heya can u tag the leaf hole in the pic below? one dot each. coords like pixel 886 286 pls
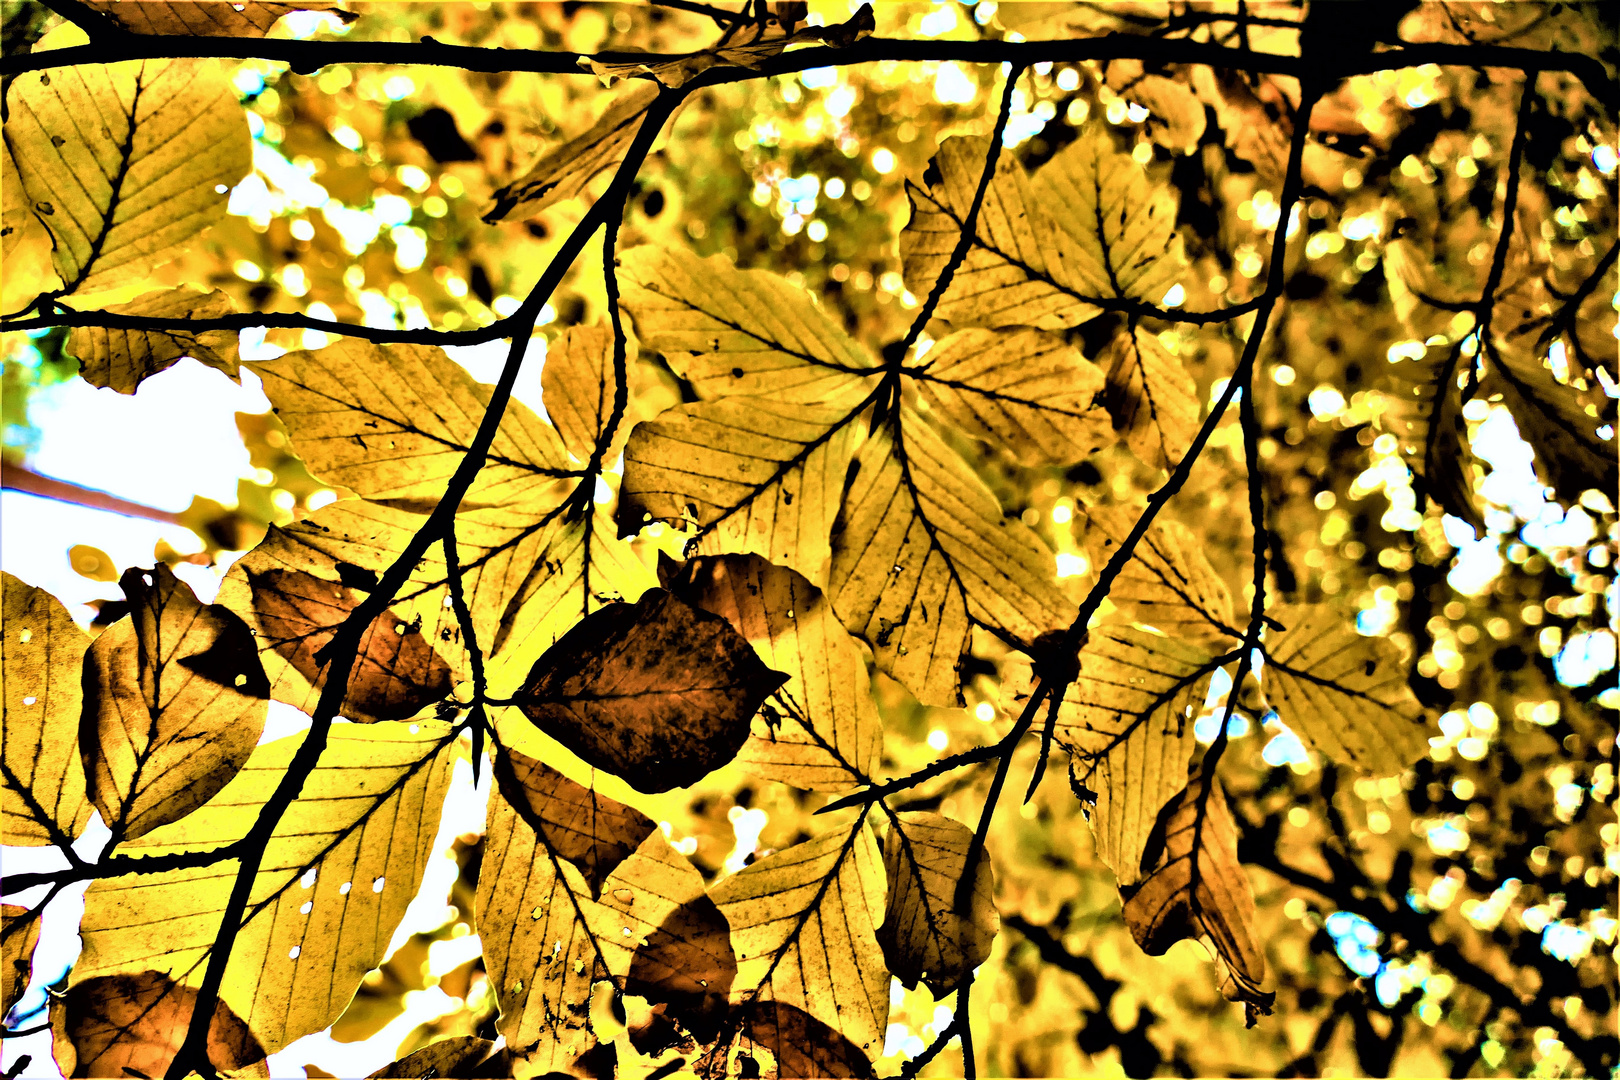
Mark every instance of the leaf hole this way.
pixel 29 700
pixel 308 880
pixel 343 889
pixel 377 886
pixel 292 953
pixel 26 636
pixel 309 906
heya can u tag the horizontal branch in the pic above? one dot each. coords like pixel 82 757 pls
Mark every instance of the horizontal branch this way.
pixel 309 56
pixel 269 320
pixel 17 478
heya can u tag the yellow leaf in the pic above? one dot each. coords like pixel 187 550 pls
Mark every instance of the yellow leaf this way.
pixel 41 652
pixel 924 934
pixel 755 475
pixel 820 730
pixel 126 194
pixel 1005 279
pixel 1167 583
pixel 803 925
pixel 922 548
pixel 1024 390
pixel 207 18
pixel 1153 400
pixel 175 700
pixel 121 359
pixel 341 866
pixel 394 422
pixel 564 171
pixel 1127 722
pixel 579 385
pixel 1344 694
pixel 733 332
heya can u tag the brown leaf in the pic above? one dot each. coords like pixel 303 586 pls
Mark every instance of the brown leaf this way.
pixel 656 692
pixel 924 935
pixel 121 359
pixel 174 702
pixel 802 1045
pixel 207 18
pixel 821 730
pixel 687 962
pixel 19 933
pixel 395 675
pixel 42 800
pixel 132 1025
pixel 588 829
pixel 1196 887
pixel 457 1056
pixel 749 54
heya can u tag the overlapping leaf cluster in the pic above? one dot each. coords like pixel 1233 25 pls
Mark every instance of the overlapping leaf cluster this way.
pixel 836 516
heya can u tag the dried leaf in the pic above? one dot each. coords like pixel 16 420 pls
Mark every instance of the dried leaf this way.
pixel 821 730
pixel 174 702
pixel 41 650
pixel 123 195
pixel 396 673
pixel 801 1045
pixel 748 333
pixel 1126 721
pixel 563 172
pixel 579 384
pixel 207 18
pixel 1153 400
pixel 802 923
pixel 924 934
pixel 19 933
pixel 133 1025
pixel 921 548
pixel 656 692
pixel 1005 279
pixel 1024 390
pixel 1196 887
pixel 457 1056
pixel 754 474
pixel 1343 693
pixel 591 831
pixel 393 422
pixel 1176 116
pixel 122 359
pixel 748 54
pixel 339 869
pixel 1168 583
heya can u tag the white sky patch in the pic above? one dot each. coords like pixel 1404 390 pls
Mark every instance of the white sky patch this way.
pixel 746 825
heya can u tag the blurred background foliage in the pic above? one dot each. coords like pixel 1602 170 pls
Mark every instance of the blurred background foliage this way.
pixel 1403 916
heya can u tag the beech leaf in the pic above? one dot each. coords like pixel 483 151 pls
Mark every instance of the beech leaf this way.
pixel 122 195
pixel 1196 886
pixel 820 731
pixel 393 422
pixel 754 474
pixel 1153 400
pixel 122 359
pixel 749 54
pixel 1345 694
pixel 589 830
pixel 41 651
pixel 1005 279
pixel 579 382
pixel 19 933
pixel 921 549
pixel 803 923
pixel 133 1025
pixel 732 332
pixel 924 934
pixel 458 1056
pixel 335 878
pixel 174 702
pixel 1024 390
pixel 656 692
pixel 1167 583
pixel 397 671
pixel 562 172
pixel 207 18
pixel 801 1045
